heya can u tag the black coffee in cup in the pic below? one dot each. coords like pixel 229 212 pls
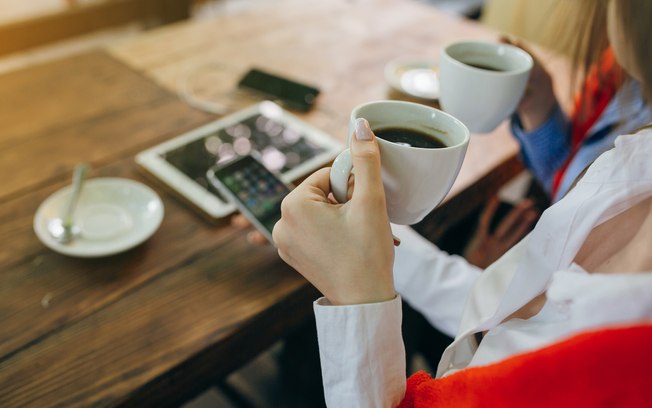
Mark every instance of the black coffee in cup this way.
pixel 484 66
pixel 409 137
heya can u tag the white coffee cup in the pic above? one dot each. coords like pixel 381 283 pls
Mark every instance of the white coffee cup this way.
pixel 482 98
pixel 415 179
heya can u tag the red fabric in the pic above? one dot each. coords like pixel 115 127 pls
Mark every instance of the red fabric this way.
pixel 607 368
pixel 600 86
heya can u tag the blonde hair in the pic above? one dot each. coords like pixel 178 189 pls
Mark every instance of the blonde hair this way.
pixel 583 28
pixel 635 21
pixel 590 39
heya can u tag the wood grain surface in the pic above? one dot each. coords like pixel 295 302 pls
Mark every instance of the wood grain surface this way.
pixel 160 322
pixel 116 329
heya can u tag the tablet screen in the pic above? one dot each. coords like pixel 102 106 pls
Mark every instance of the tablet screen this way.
pixel 280 148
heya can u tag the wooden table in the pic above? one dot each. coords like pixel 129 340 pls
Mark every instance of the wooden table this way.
pixel 161 322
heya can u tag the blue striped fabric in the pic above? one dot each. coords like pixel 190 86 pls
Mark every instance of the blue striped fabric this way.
pixel 546 148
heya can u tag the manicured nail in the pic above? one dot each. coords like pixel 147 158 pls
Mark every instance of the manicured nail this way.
pixel 362 129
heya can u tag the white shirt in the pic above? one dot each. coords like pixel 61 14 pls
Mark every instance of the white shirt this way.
pixel 361 349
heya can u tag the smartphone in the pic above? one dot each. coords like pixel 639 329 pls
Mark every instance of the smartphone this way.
pixel 289 93
pixel 253 189
pixel 501 212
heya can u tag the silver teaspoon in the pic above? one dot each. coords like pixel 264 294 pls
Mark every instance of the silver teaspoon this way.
pixel 63 230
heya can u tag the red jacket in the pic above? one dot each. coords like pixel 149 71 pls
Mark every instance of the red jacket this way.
pixel 606 368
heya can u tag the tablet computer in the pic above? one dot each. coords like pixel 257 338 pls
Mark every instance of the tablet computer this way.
pixel 283 142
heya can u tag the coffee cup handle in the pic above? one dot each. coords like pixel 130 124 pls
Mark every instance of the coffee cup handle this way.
pixel 339 177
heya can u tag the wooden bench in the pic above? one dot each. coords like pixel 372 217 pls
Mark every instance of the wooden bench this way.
pixel 80 19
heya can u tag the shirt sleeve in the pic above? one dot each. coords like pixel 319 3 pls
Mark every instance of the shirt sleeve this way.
pixel 362 353
pixel 431 281
pixel 545 148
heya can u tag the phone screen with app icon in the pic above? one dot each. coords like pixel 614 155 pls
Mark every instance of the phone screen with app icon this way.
pixel 256 191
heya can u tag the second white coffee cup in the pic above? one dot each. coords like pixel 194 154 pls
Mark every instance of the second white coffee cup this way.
pixel 415 179
pixel 481 83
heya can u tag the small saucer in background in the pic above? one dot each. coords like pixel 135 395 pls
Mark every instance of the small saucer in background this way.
pixel 414 76
pixel 113 215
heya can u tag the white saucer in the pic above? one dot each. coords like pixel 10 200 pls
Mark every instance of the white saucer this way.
pixel 415 76
pixel 113 215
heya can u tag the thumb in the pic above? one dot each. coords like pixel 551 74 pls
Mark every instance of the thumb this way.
pixel 365 155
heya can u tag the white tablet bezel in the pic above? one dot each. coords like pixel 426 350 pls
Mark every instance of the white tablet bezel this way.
pixel 153 161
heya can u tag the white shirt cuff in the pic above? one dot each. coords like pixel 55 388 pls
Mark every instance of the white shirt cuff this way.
pixel 362 353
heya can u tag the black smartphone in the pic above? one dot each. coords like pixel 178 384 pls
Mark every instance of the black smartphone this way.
pixel 501 212
pixel 253 189
pixel 287 92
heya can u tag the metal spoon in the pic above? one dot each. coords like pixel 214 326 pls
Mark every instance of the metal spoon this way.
pixel 63 229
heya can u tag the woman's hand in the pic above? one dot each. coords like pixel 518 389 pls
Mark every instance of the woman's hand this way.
pixel 345 250
pixel 486 245
pixel 539 99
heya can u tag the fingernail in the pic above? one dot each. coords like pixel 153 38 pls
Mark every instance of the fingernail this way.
pixel 362 129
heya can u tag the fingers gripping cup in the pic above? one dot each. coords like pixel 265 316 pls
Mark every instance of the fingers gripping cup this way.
pixel 482 83
pixel 421 152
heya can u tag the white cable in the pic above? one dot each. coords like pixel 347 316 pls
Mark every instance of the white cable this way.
pixel 186 92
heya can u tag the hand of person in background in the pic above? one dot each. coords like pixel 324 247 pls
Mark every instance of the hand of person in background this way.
pixel 345 250
pixel 487 244
pixel 539 99
pixel 253 237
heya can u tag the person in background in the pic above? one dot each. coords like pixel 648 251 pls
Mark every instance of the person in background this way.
pixel 585 265
pixel 555 147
